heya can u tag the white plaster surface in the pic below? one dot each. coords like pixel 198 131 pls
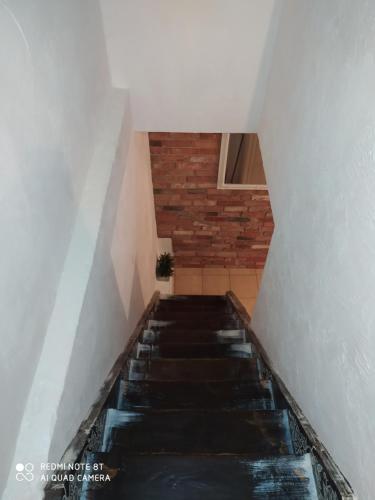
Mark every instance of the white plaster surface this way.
pixel 56 374
pixel 74 179
pixel 315 312
pixel 53 81
pixel 121 284
pixel 191 65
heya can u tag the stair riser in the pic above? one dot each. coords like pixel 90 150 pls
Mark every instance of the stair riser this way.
pixel 194 299
pixel 147 351
pixel 219 336
pixel 188 315
pixel 261 433
pixel 192 323
pixel 188 370
pixel 195 396
pixel 194 309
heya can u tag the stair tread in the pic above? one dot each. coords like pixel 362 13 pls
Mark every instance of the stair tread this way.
pixel 196 298
pixel 196 395
pixel 194 369
pixel 174 335
pixel 194 350
pixel 192 323
pixel 209 478
pixel 198 315
pixel 194 307
pixel 240 432
pixel 193 417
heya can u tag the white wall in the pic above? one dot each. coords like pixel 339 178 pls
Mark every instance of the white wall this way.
pixel 71 287
pixel 120 286
pixel 191 65
pixel 315 313
pixel 48 112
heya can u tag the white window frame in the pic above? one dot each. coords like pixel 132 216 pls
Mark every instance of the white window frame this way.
pixel 222 167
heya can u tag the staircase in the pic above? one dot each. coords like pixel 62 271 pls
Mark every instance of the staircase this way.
pixel 194 418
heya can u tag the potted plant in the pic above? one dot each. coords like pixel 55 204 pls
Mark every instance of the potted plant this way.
pixel 164 266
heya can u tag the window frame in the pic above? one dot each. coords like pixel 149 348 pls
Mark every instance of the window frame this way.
pixel 222 168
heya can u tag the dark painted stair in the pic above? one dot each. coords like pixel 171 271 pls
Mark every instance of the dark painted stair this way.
pixel 194 418
pixel 174 395
pixel 193 369
pixel 196 432
pixel 188 321
pixel 199 316
pixel 194 350
pixel 158 477
pixel 196 336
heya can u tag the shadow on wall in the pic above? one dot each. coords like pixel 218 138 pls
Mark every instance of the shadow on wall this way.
pixel 48 121
pixel 120 286
pixel 257 102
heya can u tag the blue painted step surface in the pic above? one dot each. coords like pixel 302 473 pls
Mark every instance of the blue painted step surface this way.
pixel 239 395
pixel 203 478
pixel 196 336
pixel 194 369
pixel 194 350
pixel 194 420
pixel 199 432
pixel 214 323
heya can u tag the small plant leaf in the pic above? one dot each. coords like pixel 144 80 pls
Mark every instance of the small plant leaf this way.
pixel 164 265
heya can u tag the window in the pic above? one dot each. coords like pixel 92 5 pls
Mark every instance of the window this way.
pixel 241 164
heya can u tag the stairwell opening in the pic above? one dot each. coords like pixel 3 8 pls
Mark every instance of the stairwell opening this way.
pixel 220 237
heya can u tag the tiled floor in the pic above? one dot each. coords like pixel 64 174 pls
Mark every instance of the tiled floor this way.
pixel 245 283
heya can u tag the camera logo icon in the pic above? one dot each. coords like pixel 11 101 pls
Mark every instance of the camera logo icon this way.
pixel 24 472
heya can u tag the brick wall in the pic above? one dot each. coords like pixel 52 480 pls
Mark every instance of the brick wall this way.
pixel 209 226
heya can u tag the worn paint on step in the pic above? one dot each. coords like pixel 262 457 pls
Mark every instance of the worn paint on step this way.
pixel 195 323
pixel 196 395
pixel 205 478
pixel 173 336
pixel 199 432
pixel 194 350
pixel 194 369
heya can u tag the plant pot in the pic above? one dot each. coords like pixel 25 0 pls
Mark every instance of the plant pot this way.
pixel 163 278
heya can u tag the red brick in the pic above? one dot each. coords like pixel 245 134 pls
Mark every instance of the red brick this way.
pixel 204 203
pixel 180 232
pixel 210 227
pixel 235 209
pixel 226 254
pixel 179 143
pixel 186 253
